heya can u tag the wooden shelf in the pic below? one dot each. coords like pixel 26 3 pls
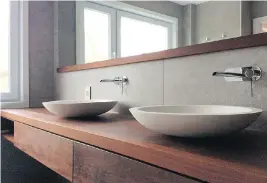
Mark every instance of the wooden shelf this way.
pixel 9 137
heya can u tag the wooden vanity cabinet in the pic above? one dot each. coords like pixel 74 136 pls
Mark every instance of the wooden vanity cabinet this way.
pixel 81 163
pixel 93 165
pixel 63 145
pixel 53 151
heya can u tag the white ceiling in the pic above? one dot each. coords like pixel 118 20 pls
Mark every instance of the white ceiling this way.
pixel 188 2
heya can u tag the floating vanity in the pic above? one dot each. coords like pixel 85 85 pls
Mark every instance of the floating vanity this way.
pixel 113 149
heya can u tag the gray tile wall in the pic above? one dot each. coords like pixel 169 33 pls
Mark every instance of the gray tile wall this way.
pixel 41 52
pixel 188 80
pixel 144 78
pixel 185 80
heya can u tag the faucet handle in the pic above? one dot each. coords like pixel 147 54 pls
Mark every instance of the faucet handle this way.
pixel 253 73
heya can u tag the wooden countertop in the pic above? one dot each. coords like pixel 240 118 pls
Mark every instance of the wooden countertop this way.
pixel 237 158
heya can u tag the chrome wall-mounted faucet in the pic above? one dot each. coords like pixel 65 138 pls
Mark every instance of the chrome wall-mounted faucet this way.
pixel 117 80
pixel 120 81
pixel 252 73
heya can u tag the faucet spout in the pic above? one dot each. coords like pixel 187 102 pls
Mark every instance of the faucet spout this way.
pixel 228 74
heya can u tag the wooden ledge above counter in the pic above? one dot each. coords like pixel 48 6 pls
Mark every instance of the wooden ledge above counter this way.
pixel 233 159
pixel 216 46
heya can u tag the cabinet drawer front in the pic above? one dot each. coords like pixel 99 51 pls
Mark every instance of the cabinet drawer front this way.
pixel 92 165
pixel 53 151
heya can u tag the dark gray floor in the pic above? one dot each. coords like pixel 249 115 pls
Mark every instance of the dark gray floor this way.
pixel 18 167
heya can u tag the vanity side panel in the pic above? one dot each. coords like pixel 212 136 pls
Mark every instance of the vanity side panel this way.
pixel 53 151
pixel 95 165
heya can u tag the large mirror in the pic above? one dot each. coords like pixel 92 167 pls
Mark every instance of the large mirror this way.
pixel 102 30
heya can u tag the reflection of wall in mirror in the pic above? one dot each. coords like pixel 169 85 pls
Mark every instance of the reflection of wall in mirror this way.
pixel 218 20
pixel 259 9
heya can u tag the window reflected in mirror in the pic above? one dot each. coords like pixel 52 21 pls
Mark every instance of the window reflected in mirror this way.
pixel 264 27
pixel 107 30
pixel 96 35
pixel 260 25
pixel 152 36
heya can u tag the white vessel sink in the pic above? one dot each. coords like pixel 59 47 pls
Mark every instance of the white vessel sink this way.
pixel 195 120
pixel 72 108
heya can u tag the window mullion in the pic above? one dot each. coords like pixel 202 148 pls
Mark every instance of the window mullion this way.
pixel 113 34
pixel 118 33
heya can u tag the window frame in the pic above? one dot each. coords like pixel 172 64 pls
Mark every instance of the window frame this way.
pixel 18 97
pixel 146 13
pixel 134 16
pixel 80 44
pixel 120 8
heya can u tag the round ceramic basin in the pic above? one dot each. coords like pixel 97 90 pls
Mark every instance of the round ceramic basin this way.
pixel 195 120
pixel 72 108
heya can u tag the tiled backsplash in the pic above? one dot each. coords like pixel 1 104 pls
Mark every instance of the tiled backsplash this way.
pixel 145 84
pixel 185 80
pixel 189 80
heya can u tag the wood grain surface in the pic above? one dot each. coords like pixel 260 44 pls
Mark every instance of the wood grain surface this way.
pixel 233 159
pixel 53 151
pixel 95 165
pixel 215 46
